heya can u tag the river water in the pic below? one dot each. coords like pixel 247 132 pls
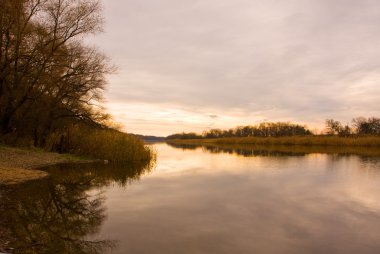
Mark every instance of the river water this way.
pixel 202 200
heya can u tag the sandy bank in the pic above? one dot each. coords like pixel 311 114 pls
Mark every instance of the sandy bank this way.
pixel 19 165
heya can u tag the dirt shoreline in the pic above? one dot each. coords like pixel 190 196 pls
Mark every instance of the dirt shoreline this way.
pixel 18 165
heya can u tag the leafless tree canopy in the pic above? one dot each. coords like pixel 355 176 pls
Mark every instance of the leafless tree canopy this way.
pixel 48 77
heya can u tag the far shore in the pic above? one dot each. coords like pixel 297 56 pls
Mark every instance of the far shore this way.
pixel 352 141
pixel 18 165
pixel 368 146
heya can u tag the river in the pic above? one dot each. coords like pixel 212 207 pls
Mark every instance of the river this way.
pixel 202 200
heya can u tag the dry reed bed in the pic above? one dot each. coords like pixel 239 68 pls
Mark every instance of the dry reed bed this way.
pixel 105 144
pixel 358 141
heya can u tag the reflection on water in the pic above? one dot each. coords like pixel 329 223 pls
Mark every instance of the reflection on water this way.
pixel 277 150
pixel 204 200
pixel 246 151
pixel 59 214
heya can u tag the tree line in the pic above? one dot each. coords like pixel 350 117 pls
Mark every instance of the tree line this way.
pixel 359 126
pixel 49 78
pixel 266 129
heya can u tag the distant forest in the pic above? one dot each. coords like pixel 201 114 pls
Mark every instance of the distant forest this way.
pixel 360 126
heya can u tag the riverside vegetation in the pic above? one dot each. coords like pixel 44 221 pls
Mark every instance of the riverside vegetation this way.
pixel 364 132
pixel 52 82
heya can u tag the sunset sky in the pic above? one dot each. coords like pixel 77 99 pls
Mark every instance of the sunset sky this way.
pixel 195 65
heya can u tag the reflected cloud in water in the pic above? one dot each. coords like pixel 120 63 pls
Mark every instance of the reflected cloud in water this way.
pixel 218 203
pixel 203 200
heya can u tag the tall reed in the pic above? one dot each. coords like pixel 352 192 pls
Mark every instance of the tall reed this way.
pixel 105 144
pixel 359 141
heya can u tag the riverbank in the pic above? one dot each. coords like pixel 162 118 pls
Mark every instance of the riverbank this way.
pixel 364 141
pixel 19 165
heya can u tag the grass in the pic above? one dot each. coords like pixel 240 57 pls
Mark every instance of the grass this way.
pixel 105 144
pixel 76 144
pixel 358 141
pixel 250 146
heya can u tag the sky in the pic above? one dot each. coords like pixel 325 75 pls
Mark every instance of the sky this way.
pixel 201 64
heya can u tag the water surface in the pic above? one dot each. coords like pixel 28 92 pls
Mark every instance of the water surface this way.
pixel 204 200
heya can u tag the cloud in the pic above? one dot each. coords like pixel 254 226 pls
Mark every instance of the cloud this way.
pixel 293 60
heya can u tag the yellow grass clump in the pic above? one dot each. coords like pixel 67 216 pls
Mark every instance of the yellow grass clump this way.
pixel 105 144
pixel 355 141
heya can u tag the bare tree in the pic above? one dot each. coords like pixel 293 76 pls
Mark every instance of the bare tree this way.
pixel 333 127
pixel 47 73
pixel 364 126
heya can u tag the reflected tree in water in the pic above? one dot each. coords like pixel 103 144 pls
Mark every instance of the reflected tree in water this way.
pixel 241 150
pixel 248 150
pixel 63 213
